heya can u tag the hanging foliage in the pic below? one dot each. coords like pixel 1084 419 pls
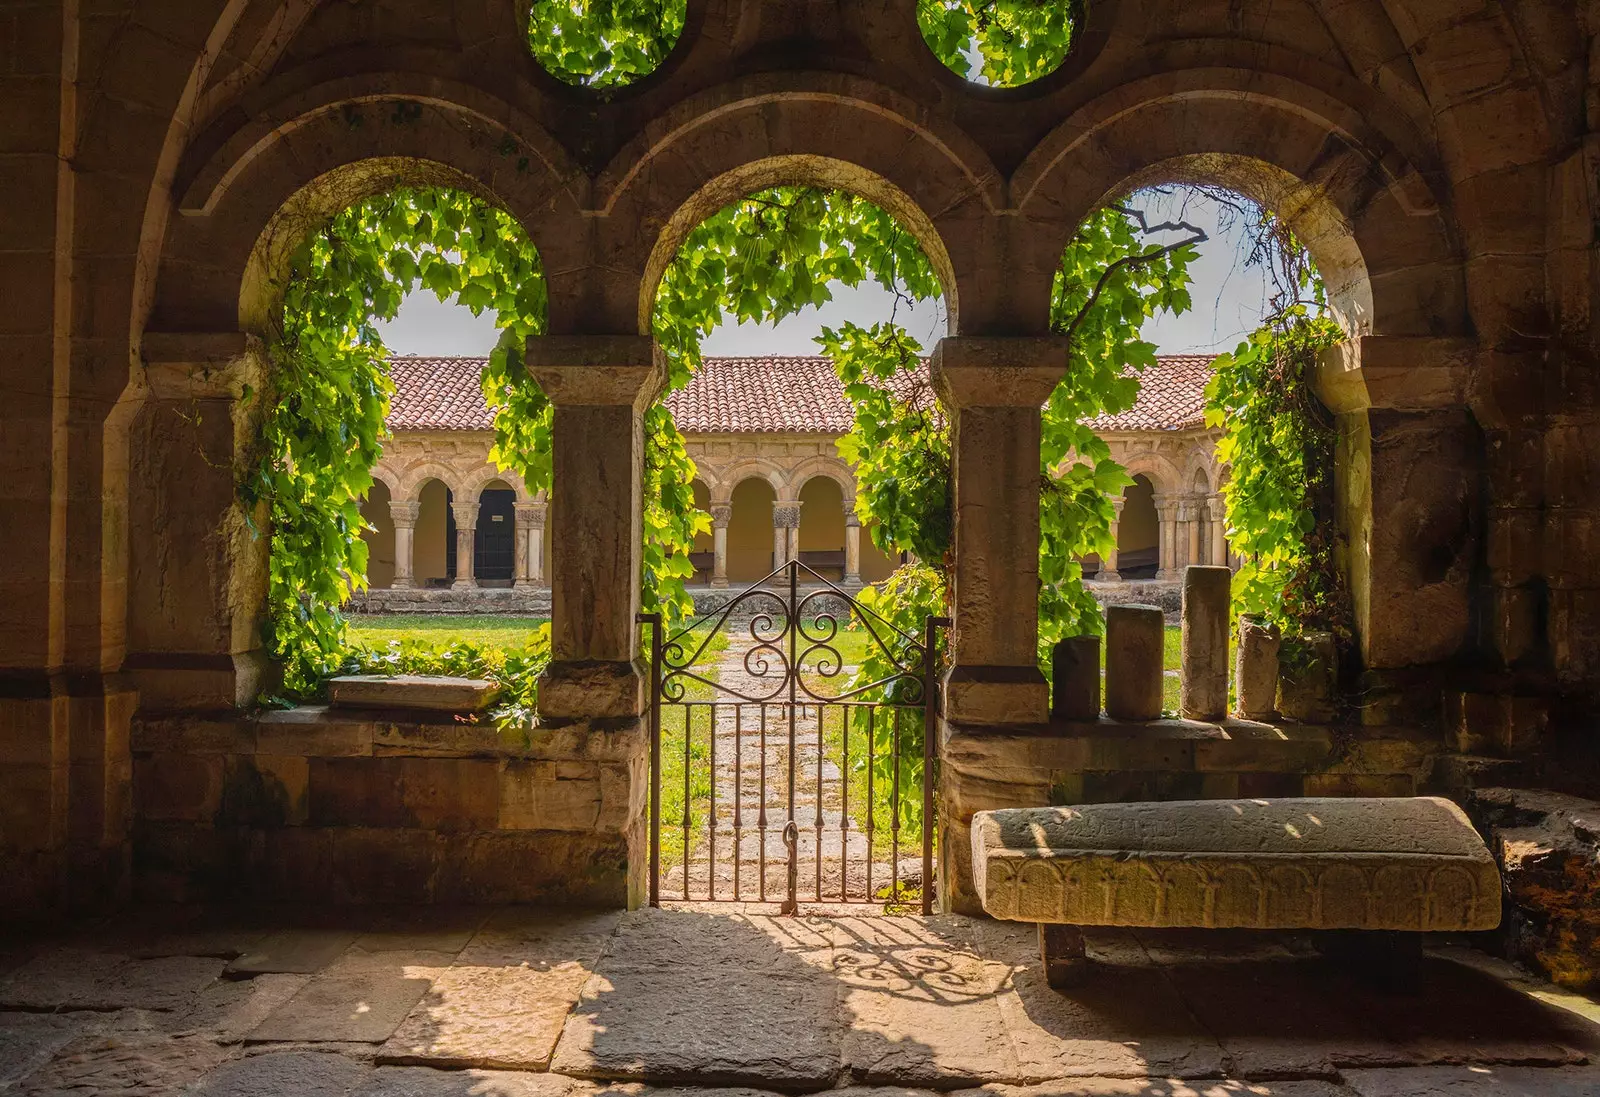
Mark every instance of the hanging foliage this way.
pixel 603 44
pixel 1015 41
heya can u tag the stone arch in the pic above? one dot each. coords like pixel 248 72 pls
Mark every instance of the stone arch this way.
pixel 1163 475
pixel 389 476
pixel 473 483
pixel 752 468
pixel 833 131
pixel 830 467
pixel 1359 197
pixel 416 477
pixel 247 204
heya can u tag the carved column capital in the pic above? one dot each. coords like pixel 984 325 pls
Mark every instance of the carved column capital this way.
pixel 404 513
pixel 721 515
pixel 466 515
pixel 531 515
pixel 1166 505
pixel 786 516
pixel 851 518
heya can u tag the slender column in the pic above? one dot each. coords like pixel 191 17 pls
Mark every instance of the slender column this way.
pixel 1167 550
pixel 524 516
pixel 721 515
pixel 1108 564
pixel 1190 512
pixel 466 542
pixel 994 388
pixel 1218 512
pixel 537 515
pixel 852 546
pixel 785 532
pixel 404 516
pixel 599 386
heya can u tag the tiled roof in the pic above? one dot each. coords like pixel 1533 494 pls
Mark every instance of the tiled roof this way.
pixel 1172 396
pixel 770 395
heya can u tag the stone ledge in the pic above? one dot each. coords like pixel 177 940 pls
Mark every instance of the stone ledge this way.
pixel 429 693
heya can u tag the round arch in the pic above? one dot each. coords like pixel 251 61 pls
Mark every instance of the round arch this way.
pixel 831 468
pixel 416 477
pixel 1163 475
pixel 753 468
pixel 475 482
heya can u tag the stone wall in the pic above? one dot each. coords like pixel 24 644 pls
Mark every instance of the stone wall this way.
pixel 317 804
pixel 519 601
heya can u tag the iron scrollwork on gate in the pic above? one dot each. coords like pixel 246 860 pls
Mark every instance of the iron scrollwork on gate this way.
pixel 760 745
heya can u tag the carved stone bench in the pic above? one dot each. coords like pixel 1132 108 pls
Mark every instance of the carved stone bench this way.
pixel 1400 866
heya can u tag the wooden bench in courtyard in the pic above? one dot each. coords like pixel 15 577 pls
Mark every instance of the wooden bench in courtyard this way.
pixel 1393 867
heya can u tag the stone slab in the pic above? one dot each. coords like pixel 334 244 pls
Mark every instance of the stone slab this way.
pixel 1404 863
pixel 68 978
pixel 411 691
pixel 230 1009
pixel 360 998
pixel 686 1026
pixel 390 1081
pixel 1466 1081
pixel 285 1074
pixel 292 952
pixel 28 1040
pixel 135 1063
pixel 494 1017
pixel 1163 1087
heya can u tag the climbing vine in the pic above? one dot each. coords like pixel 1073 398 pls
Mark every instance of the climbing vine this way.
pixel 1015 41
pixel 1278 444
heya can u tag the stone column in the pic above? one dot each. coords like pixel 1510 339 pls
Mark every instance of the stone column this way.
pixel 537 515
pixel 994 388
pixel 1133 662
pixel 1108 564
pixel 1217 511
pixel 785 532
pixel 523 574
pixel 1167 539
pixel 466 541
pixel 1192 513
pixel 852 546
pixel 1204 690
pixel 599 386
pixel 721 515
pixel 404 516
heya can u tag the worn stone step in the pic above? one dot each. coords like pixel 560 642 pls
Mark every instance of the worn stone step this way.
pixel 411 691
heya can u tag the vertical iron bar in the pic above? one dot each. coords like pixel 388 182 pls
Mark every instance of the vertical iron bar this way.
pixel 654 621
pixel 929 730
pixel 738 797
pixel 872 712
pixel 894 818
pixel 761 816
pixel 711 815
pixel 844 806
pixel 791 830
pixel 688 730
pixel 817 826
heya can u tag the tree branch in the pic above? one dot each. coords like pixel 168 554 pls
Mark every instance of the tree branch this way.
pixel 1197 236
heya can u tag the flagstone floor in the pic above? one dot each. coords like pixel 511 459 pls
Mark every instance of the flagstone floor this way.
pixel 525 1003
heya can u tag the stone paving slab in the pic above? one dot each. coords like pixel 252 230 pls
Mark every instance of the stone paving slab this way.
pixel 28 1040
pixel 359 998
pixel 229 1010
pixel 293 952
pixel 285 1074
pixel 503 1017
pixel 391 1081
pixel 69 978
pixel 131 1063
pixel 1468 1081
pixel 1164 1087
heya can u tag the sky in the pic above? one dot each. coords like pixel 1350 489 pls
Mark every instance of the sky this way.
pixel 1229 301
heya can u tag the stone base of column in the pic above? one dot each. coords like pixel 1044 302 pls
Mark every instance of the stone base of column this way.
pixel 853 581
pixel 1168 575
pixel 1108 577
pixel 591 689
pixel 464 584
pixel 402 583
pixel 527 584
pixel 994 695
pixel 719 584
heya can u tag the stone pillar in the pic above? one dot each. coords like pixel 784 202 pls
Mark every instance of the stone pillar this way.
pixel 523 573
pixel 466 542
pixel 1192 512
pixel 1255 675
pixel 1217 513
pixel 852 546
pixel 993 389
pixel 785 532
pixel 537 515
pixel 404 516
pixel 1108 564
pixel 721 515
pixel 1133 662
pixel 1167 540
pixel 599 386
pixel 1075 673
pixel 1204 691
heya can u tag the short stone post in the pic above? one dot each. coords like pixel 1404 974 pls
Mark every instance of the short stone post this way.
pixel 404 516
pixel 1075 671
pixel 721 515
pixel 1204 691
pixel 466 515
pixel 1307 677
pixel 1133 662
pixel 993 388
pixel 600 386
pixel 852 546
pixel 1255 676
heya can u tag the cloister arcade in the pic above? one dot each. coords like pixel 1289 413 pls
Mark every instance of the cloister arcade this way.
pixel 1436 158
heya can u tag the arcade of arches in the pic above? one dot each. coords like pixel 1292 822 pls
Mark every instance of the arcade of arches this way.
pixel 160 161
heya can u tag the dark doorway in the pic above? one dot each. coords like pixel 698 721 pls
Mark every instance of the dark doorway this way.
pixel 494 561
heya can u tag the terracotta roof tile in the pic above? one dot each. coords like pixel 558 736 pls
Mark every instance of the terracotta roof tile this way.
pixel 767 395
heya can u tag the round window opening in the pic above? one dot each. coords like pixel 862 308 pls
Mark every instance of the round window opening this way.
pixel 603 43
pixel 1000 43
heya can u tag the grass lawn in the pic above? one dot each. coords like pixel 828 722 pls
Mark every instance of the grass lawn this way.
pixel 442 628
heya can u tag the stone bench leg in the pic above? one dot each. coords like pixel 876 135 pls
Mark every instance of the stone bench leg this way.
pixel 1061 949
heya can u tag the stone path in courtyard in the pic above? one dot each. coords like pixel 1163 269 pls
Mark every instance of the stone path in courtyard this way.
pixel 819 813
pixel 523 1003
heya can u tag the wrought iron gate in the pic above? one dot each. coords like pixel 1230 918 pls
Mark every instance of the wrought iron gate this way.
pixel 789 752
